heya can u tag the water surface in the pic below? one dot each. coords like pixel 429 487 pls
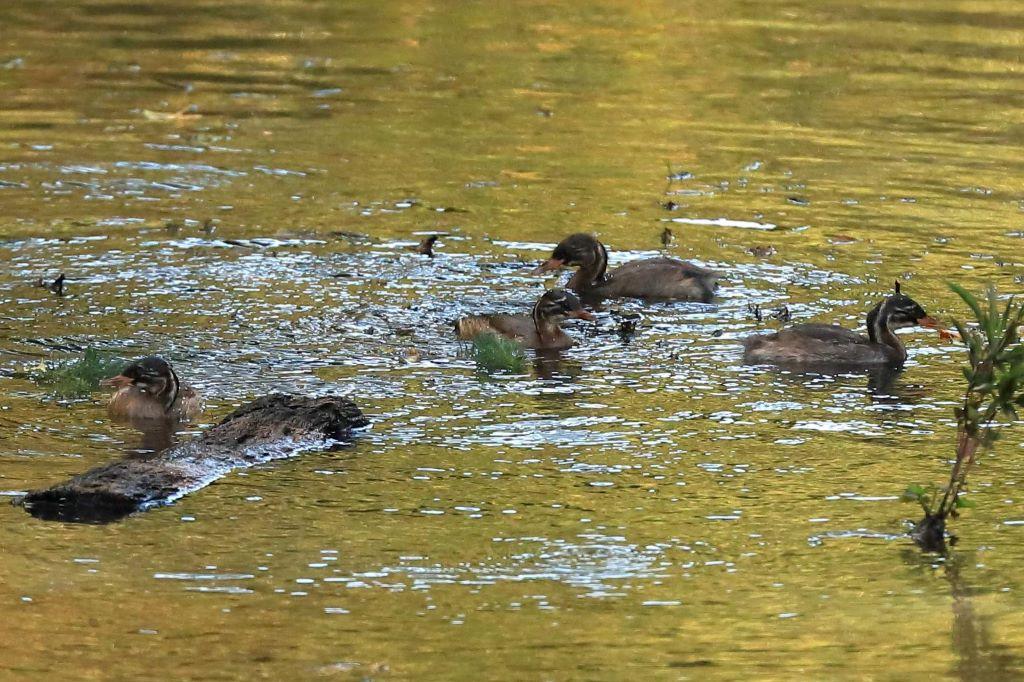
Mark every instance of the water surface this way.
pixel 237 185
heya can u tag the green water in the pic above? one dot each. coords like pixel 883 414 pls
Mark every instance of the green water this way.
pixel 642 509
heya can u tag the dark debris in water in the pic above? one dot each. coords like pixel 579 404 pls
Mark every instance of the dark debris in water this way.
pixel 426 246
pixel 762 250
pixel 56 286
pixel 628 324
pixel 781 313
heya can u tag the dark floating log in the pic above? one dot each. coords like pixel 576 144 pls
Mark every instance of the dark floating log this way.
pixel 272 427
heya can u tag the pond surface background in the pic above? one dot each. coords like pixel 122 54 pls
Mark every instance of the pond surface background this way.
pixel 237 185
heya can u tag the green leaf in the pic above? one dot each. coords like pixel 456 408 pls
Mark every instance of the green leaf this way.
pixel 992 317
pixel 915 493
pixel 961 329
pixel 968 298
pixel 1009 324
pixel 965 503
pixel 1005 319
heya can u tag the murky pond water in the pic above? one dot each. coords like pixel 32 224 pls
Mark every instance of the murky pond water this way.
pixel 236 186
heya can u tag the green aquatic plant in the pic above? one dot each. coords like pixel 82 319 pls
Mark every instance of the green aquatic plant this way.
pixel 79 377
pixel 494 353
pixel 995 389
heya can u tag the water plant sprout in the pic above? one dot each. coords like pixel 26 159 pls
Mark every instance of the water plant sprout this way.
pixel 995 389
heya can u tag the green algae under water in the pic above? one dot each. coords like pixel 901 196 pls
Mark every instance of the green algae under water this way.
pixel 494 353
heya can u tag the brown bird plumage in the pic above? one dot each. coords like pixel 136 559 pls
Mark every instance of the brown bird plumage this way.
pixel 539 330
pixel 824 344
pixel 652 278
pixel 149 389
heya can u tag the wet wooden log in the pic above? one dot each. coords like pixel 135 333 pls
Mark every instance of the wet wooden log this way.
pixel 272 427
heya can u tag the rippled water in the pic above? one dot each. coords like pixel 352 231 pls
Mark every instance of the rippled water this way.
pixel 238 185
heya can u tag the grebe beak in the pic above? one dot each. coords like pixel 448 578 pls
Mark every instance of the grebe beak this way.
pixel 932 323
pixel 550 264
pixel 583 315
pixel 119 382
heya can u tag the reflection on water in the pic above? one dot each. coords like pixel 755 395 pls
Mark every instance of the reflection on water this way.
pixel 240 186
pixel 980 655
pixel 980 658
pixel 153 441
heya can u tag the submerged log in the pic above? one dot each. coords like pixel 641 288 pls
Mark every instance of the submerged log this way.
pixel 272 427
